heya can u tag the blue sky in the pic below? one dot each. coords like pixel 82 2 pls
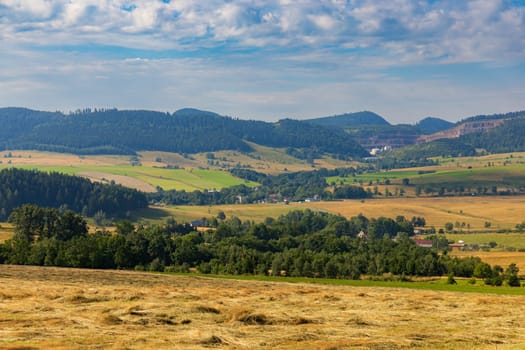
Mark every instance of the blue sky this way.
pixel 266 60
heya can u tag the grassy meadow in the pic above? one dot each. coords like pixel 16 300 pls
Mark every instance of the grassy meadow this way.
pixel 53 308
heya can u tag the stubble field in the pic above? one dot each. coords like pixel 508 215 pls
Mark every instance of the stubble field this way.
pixel 52 308
pixel 90 309
pixel 501 212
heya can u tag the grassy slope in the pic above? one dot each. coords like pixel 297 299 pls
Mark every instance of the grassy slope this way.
pixel 52 308
pixel 180 179
pixel 195 171
pixel 508 167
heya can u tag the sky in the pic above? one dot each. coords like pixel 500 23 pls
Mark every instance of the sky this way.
pixel 266 60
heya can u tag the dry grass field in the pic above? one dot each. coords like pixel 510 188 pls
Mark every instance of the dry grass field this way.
pixel 502 212
pixel 60 159
pixel 500 258
pixel 6 231
pixel 264 160
pixel 52 308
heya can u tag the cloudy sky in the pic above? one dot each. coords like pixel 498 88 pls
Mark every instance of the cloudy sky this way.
pixel 267 60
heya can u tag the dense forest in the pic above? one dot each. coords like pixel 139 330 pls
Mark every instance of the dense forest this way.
pixel 18 187
pixel 481 117
pixel 508 137
pixel 186 131
pixel 300 243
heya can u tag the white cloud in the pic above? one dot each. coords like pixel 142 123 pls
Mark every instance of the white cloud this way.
pixel 465 31
pixel 257 58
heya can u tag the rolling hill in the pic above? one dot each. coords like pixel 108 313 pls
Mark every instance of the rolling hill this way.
pixel 364 118
pixel 430 125
pixel 113 131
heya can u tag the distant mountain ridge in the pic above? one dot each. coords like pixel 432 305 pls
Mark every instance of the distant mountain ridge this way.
pixel 112 131
pixel 430 125
pixel 189 130
pixel 364 118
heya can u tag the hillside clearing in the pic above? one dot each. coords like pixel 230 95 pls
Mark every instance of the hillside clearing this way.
pixel 52 308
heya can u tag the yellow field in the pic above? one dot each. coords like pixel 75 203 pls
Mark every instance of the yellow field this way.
pixel 495 257
pixel 264 160
pixel 502 212
pixel 60 159
pixel 52 308
pixel 6 231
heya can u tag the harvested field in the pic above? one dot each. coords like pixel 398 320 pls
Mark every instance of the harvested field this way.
pixel 495 257
pixel 53 308
pixel 502 212
pixel 119 179
pixel 6 231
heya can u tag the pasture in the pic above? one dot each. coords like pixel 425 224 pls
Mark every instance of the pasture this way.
pixel 53 308
pixel 505 241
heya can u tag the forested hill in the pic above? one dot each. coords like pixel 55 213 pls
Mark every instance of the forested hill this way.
pixel 186 131
pixel 430 125
pixel 19 187
pixel 365 118
pixel 508 137
pixel 510 115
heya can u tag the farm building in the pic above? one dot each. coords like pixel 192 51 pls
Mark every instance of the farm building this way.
pixel 425 243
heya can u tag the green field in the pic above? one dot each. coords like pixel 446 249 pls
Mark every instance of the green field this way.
pixel 374 177
pixel 168 179
pixel 512 175
pixel 478 180
pixel 504 240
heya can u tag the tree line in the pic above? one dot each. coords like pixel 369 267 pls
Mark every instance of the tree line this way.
pixel 300 243
pixel 19 187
